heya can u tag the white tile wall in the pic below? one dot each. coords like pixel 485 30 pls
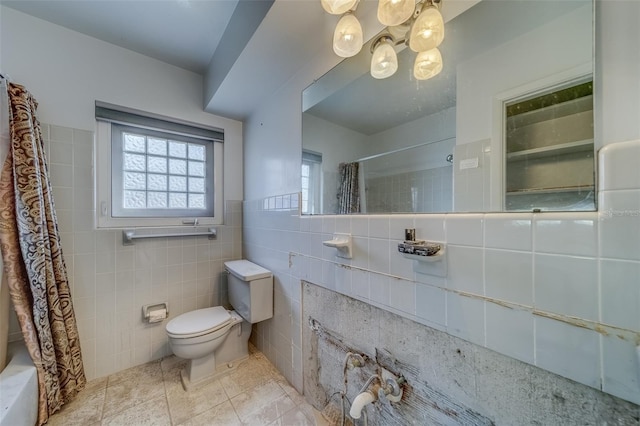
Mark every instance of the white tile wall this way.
pixel 561 233
pixel 420 191
pixel 620 301
pixel 510 332
pixel 509 276
pixel 111 282
pixel 568 350
pixel 567 284
pixel 550 289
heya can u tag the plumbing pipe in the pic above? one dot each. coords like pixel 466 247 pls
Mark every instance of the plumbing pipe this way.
pixel 369 381
pixel 359 402
pixel 358 361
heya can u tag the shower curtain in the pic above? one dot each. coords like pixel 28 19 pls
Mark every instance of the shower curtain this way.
pixel 33 260
pixel 348 191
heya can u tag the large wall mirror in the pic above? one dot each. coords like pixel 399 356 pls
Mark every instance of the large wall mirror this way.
pixel 506 126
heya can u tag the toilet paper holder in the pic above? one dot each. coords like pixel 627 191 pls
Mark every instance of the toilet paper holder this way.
pixel 155 313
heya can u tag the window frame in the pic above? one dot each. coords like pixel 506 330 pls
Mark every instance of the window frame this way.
pixel 314 189
pixel 105 218
pixel 117 185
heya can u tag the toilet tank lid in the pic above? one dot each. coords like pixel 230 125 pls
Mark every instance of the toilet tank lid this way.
pixel 246 271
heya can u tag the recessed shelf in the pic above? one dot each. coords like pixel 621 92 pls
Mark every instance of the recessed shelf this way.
pixel 529 191
pixel 549 151
pixel 552 112
pixel 549 154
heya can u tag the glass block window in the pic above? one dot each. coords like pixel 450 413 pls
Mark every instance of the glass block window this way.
pixel 157 174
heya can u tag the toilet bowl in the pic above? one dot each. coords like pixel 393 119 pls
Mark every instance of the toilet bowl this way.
pixel 215 340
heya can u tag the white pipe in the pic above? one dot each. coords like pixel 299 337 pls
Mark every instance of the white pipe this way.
pixel 358 404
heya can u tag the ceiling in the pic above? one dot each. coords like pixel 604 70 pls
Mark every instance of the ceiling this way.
pixel 208 37
pixel 183 33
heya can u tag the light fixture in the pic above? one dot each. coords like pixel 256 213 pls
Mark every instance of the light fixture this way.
pixel 338 7
pixel 395 12
pixel 384 61
pixel 417 23
pixel 347 38
pixel 428 64
pixel 427 32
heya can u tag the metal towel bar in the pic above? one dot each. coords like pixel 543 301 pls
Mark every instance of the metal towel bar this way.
pixel 128 235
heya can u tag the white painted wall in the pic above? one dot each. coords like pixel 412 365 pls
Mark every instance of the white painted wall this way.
pixel 67 72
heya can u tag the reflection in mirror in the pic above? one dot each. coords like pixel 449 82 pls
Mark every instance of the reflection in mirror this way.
pixel 549 150
pixel 440 145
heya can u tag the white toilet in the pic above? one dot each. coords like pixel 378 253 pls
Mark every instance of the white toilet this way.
pixel 215 340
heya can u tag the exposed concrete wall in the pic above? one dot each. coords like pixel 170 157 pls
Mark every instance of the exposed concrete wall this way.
pixel 449 380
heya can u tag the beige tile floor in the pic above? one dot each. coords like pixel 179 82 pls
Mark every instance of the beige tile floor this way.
pixel 151 394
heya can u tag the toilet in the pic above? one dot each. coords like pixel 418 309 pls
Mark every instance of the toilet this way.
pixel 215 340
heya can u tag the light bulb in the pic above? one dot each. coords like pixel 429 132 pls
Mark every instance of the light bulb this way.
pixel 427 31
pixel 347 39
pixel 428 64
pixel 338 7
pixel 384 61
pixel 395 12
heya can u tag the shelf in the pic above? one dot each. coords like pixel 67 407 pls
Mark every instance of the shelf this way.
pixel 552 150
pixel 551 190
pixel 552 112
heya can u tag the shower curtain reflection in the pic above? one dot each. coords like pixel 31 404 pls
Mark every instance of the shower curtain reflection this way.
pixel 349 189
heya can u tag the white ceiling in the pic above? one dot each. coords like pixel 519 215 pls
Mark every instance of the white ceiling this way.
pixel 245 49
pixel 184 33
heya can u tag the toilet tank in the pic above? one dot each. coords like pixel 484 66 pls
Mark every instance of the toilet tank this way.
pixel 250 290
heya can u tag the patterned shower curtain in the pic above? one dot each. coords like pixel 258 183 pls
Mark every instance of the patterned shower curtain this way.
pixel 33 260
pixel 348 190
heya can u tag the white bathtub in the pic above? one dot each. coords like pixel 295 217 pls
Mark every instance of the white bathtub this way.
pixel 18 388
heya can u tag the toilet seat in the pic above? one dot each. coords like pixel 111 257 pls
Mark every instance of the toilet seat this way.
pixel 199 323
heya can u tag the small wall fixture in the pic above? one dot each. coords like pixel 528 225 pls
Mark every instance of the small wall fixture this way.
pixel 342 243
pixel 429 256
pixel 419 24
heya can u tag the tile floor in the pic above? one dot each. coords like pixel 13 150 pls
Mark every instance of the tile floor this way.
pixel 151 394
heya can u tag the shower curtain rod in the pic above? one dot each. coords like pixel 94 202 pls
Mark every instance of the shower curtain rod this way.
pixel 372 157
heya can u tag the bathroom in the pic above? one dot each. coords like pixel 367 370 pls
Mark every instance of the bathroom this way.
pixel 68 72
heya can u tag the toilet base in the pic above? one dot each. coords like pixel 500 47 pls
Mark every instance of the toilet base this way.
pixel 226 358
pixel 190 371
